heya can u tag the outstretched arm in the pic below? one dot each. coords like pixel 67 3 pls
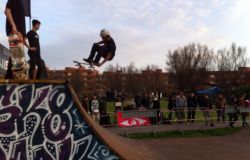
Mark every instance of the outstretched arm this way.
pixel 10 19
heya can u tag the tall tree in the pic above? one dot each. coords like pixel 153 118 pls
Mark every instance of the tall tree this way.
pixel 231 59
pixel 228 63
pixel 113 77
pixel 188 65
pixel 132 83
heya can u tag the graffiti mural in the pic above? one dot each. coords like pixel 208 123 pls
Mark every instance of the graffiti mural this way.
pixel 41 122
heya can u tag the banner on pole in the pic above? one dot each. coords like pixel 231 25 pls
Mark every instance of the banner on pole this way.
pixel 27 8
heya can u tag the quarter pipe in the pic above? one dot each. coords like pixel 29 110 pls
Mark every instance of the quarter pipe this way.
pixel 43 120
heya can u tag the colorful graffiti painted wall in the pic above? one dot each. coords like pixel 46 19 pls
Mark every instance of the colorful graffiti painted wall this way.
pixel 41 122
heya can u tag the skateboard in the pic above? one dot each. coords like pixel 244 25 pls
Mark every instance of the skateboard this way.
pixel 20 67
pixel 80 64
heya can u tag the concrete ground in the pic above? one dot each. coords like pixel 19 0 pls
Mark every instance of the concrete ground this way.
pixel 168 127
pixel 230 147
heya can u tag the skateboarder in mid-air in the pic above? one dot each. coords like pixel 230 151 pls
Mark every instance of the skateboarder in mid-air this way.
pixel 105 48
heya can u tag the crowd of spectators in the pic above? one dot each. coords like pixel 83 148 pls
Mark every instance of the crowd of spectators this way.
pixel 219 104
pixel 180 109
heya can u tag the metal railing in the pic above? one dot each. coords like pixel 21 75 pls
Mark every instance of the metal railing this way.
pixel 157 117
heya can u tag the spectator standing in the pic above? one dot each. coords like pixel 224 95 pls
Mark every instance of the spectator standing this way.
pixel 118 104
pixel 181 104
pixel 15 23
pixel 34 52
pixel 171 106
pixel 156 107
pixel 104 116
pixel 108 96
pixel 146 101
pixel 138 100
pixel 85 104
pixel 247 105
pixel 242 106
pixel 206 107
pixel 191 105
pixel 233 113
pixel 220 108
pixel 102 106
pixel 94 105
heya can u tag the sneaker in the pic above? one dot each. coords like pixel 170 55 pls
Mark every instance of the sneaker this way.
pixel 87 60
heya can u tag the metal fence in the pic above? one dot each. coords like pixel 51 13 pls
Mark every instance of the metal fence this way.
pixel 135 118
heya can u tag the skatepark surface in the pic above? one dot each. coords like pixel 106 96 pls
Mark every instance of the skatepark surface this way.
pixel 45 120
pixel 230 147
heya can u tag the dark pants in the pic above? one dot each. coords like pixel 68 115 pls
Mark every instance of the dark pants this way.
pixel 220 114
pixel 207 116
pixel 42 70
pixel 233 117
pixel 158 119
pixel 180 115
pixel 170 116
pixel 35 60
pixel 100 50
pixel 244 118
pixel 191 114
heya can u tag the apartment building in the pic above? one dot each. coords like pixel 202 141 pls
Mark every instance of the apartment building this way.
pixel 84 81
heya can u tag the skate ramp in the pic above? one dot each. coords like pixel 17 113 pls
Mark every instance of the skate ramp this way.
pixel 44 120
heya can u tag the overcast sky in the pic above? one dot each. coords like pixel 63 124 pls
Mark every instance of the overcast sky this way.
pixel 144 30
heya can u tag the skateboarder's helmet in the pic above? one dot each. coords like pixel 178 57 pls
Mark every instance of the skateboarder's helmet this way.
pixel 104 33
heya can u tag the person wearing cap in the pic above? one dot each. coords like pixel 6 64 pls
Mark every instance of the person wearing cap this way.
pixel 105 48
pixel 34 51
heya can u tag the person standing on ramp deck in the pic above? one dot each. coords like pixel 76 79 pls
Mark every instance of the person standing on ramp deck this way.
pixel 15 23
pixel 15 15
pixel 34 52
pixel 105 48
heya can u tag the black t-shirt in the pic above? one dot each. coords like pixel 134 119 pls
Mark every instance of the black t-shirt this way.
pixel 110 44
pixel 18 14
pixel 33 39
